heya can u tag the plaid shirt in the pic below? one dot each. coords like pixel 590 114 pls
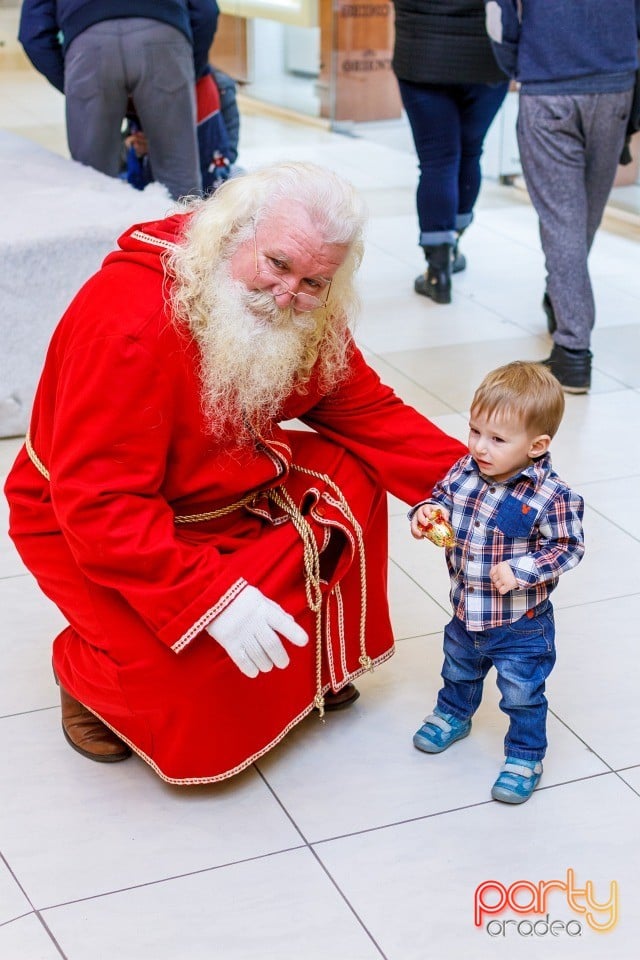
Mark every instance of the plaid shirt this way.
pixel 533 520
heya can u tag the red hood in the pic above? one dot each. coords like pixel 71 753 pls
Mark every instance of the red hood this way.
pixel 144 243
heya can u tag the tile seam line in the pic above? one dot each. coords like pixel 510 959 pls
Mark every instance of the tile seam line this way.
pixel 384 358
pixel 624 476
pixel 34 911
pixel 306 845
pixel 590 603
pixel 609 521
pixel 446 610
pixel 17 882
pixel 595 753
pixel 168 879
pixel 322 866
pixel 467 806
pixel 27 713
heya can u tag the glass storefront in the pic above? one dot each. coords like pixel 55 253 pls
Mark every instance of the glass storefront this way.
pixel 329 59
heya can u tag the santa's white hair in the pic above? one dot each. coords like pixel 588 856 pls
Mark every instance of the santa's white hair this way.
pixel 207 303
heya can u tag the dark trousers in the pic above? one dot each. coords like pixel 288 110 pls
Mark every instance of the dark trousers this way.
pixel 152 63
pixel 449 123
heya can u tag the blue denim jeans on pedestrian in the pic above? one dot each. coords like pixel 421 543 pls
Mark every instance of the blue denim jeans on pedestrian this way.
pixel 449 123
pixel 523 654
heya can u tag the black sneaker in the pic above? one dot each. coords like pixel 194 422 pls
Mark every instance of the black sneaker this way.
pixel 572 368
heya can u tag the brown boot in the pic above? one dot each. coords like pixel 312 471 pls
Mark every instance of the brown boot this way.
pixel 87 734
pixel 342 699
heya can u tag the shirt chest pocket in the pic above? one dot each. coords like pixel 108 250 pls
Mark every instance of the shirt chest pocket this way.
pixel 515 518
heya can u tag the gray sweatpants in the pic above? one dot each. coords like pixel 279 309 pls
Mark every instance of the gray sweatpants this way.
pixel 152 63
pixel 569 147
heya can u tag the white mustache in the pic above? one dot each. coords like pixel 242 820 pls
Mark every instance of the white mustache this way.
pixel 264 306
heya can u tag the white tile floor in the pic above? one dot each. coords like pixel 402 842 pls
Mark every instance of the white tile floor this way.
pixel 345 842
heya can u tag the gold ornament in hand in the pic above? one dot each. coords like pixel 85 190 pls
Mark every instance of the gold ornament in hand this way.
pixel 438 530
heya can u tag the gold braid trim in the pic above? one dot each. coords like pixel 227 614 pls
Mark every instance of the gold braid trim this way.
pixel 154 241
pixel 311 555
pixel 311 560
pixel 35 460
pixel 365 660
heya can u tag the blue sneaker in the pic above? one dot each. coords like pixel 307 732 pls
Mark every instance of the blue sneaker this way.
pixel 517 781
pixel 439 731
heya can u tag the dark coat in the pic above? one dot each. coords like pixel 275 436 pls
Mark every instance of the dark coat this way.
pixel 443 41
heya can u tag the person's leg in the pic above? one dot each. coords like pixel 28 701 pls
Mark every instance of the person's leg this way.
pixel 601 121
pixel 478 106
pixel 229 106
pixel 551 139
pixel 435 125
pixel 95 98
pixel 523 654
pixel 463 673
pixel 605 117
pixel 159 62
pixel 552 151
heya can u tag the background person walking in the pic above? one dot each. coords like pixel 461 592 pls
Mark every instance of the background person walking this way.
pixel 451 88
pixel 576 65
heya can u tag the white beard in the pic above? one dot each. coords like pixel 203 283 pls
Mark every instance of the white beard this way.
pixel 252 353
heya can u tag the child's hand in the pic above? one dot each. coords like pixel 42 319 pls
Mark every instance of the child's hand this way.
pixel 421 518
pixel 433 524
pixel 139 143
pixel 503 577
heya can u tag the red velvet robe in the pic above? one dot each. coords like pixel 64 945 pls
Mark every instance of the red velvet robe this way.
pixel 121 456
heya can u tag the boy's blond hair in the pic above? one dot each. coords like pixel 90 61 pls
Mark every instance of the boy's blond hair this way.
pixel 527 391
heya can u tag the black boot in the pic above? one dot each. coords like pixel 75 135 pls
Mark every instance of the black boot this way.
pixel 458 260
pixel 436 282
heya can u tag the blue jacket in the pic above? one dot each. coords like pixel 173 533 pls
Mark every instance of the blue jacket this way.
pixel 47 27
pixel 566 46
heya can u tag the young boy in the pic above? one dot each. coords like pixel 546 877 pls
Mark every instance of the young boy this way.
pixel 517 527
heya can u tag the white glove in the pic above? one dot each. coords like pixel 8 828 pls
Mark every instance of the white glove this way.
pixel 246 629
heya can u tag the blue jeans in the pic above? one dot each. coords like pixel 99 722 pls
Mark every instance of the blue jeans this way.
pixel 523 654
pixel 449 123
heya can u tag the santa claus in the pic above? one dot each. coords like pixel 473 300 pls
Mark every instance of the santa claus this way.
pixel 223 574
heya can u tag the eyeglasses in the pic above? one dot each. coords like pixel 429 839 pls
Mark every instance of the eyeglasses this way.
pixel 304 302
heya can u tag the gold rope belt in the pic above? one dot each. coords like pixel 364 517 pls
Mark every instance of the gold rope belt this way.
pixel 311 559
pixel 311 555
